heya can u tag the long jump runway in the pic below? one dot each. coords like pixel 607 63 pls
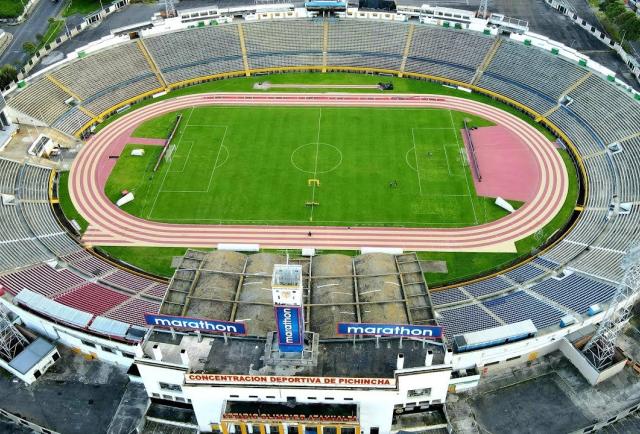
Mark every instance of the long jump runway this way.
pixel 109 225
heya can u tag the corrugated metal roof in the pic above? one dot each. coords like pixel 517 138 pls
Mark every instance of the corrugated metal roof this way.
pixel 53 309
pixel 109 327
pixel 31 355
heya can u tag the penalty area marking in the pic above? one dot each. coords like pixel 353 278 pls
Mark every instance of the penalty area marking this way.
pixel 215 166
pixel 466 177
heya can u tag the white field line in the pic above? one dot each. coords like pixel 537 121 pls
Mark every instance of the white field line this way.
pixel 415 151
pixel 170 164
pixel 315 169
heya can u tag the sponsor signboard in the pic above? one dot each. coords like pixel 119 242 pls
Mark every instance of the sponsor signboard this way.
pixel 261 380
pixel 390 330
pixel 290 325
pixel 204 325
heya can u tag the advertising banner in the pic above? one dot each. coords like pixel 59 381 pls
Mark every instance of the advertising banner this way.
pixel 290 325
pixel 204 325
pixel 390 330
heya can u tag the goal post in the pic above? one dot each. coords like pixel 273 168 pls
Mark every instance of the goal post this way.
pixel 168 156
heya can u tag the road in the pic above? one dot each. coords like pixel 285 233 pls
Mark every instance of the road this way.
pixel 36 24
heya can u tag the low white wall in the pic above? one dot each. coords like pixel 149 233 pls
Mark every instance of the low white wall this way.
pixel 101 348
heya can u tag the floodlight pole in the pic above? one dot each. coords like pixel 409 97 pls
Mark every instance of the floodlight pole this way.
pixel 601 348
pixel 11 340
pixel 170 8
pixel 482 9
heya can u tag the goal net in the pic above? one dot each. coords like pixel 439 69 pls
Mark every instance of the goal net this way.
pixel 168 156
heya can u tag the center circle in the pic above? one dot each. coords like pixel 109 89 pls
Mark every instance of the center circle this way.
pixel 316 158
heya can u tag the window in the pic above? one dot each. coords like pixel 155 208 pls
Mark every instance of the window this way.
pixel 155 395
pixel 37 374
pixel 56 356
pixel 88 344
pixel 418 392
pixel 107 350
pixel 329 398
pixel 311 398
pixel 128 355
pixel 180 399
pixel 374 430
pixel 234 396
pixel 168 397
pixel 348 399
pixel 348 430
pixel 170 387
pixel 253 396
pixel 271 397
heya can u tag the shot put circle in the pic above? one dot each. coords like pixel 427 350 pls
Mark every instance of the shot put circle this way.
pixel 316 158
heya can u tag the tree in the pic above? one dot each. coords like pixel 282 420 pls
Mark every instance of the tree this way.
pixel 630 26
pixel 615 9
pixel 606 4
pixel 29 47
pixel 8 73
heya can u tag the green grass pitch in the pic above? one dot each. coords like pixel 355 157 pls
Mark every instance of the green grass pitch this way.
pixel 252 165
pixel 461 265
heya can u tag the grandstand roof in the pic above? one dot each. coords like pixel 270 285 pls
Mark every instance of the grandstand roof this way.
pixel 231 286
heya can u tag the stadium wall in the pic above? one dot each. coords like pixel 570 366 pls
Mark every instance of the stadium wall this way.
pixel 90 345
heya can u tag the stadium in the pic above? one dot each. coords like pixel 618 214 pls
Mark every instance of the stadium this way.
pixel 304 170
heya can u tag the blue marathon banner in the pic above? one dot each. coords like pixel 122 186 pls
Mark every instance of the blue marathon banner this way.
pixel 205 325
pixel 397 330
pixel 290 325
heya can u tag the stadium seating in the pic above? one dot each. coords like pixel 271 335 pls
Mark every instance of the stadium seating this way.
pixel 92 298
pixel 575 292
pixel 606 108
pixel 465 319
pixel 545 263
pixel 489 286
pixel 30 235
pixel 71 121
pixel 454 54
pixel 133 310
pixel 195 53
pixel 580 133
pixel 30 100
pixel 527 96
pixel 519 306
pixel 510 74
pixel 600 114
pixel 274 44
pixel 524 273
pixel 451 295
pixel 104 70
pixel 356 43
pixel 42 279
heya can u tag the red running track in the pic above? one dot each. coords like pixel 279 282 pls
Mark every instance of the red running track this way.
pixel 108 225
